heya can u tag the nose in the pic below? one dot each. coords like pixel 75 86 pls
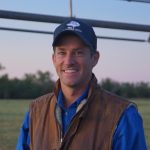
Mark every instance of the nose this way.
pixel 69 59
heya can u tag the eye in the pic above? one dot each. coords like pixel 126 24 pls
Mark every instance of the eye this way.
pixel 61 53
pixel 79 53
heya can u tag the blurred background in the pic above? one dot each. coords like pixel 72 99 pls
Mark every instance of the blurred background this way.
pixel 26 69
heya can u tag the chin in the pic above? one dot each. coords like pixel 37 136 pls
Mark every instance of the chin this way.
pixel 71 83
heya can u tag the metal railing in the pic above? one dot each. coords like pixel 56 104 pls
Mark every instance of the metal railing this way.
pixel 59 19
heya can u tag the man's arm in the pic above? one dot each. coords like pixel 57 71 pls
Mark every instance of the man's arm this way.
pixel 24 138
pixel 129 134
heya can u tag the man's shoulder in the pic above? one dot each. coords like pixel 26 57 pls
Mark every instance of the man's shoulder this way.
pixel 41 101
pixel 43 98
pixel 115 100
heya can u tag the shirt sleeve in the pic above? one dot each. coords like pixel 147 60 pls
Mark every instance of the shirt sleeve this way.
pixel 129 134
pixel 24 138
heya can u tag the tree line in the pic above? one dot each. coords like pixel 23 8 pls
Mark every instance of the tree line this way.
pixel 40 83
pixel 30 86
pixel 127 90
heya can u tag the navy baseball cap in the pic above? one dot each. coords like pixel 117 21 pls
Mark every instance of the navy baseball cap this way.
pixel 75 26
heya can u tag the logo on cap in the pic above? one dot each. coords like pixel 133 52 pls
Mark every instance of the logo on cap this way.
pixel 72 26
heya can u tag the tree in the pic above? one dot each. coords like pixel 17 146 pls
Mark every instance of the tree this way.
pixel 1 67
pixel 4 87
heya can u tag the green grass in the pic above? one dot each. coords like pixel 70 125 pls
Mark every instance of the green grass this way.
pixel 12 114
pixel 144 109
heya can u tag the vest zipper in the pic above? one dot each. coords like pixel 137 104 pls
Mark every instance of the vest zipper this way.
pixel 72 122
pixel 61 137
pixel 60 134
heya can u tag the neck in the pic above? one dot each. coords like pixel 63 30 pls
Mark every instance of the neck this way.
pixel 71 93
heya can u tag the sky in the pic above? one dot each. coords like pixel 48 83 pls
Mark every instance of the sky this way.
pixel 121 61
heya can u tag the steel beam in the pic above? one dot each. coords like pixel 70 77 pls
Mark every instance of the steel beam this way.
pixel 142 1
pixel 58 19
pixel 48 32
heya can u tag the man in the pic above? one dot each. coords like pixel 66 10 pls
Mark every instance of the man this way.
pixel 79 114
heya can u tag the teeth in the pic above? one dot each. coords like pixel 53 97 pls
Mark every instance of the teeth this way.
pixel 70 71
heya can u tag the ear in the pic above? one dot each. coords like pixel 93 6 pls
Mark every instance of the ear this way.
pixel 53 58
pixel 95 58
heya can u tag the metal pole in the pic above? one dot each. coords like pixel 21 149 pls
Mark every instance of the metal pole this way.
pixel 57 19
pixel 31 17
pixel 71 8
pixel 142 1
pixel 48 32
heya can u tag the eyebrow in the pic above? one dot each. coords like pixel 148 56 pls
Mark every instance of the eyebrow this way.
pixel 75 49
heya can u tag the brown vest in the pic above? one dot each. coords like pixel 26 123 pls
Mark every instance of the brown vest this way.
pixel 92 128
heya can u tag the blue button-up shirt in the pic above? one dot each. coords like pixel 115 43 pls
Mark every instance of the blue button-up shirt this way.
pixel 129 134
pixel 69 112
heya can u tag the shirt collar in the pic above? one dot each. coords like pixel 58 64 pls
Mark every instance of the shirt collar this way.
pixel 60 99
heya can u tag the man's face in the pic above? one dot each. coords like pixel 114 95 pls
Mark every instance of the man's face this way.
pixel 74 62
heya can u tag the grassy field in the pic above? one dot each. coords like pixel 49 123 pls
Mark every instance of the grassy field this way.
pixel 12 114
pixel 144 109
pixel 11 117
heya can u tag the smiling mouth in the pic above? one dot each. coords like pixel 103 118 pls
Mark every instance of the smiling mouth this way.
pixel 70 70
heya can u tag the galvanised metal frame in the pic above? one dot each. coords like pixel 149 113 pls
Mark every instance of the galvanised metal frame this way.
pixel 58 19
